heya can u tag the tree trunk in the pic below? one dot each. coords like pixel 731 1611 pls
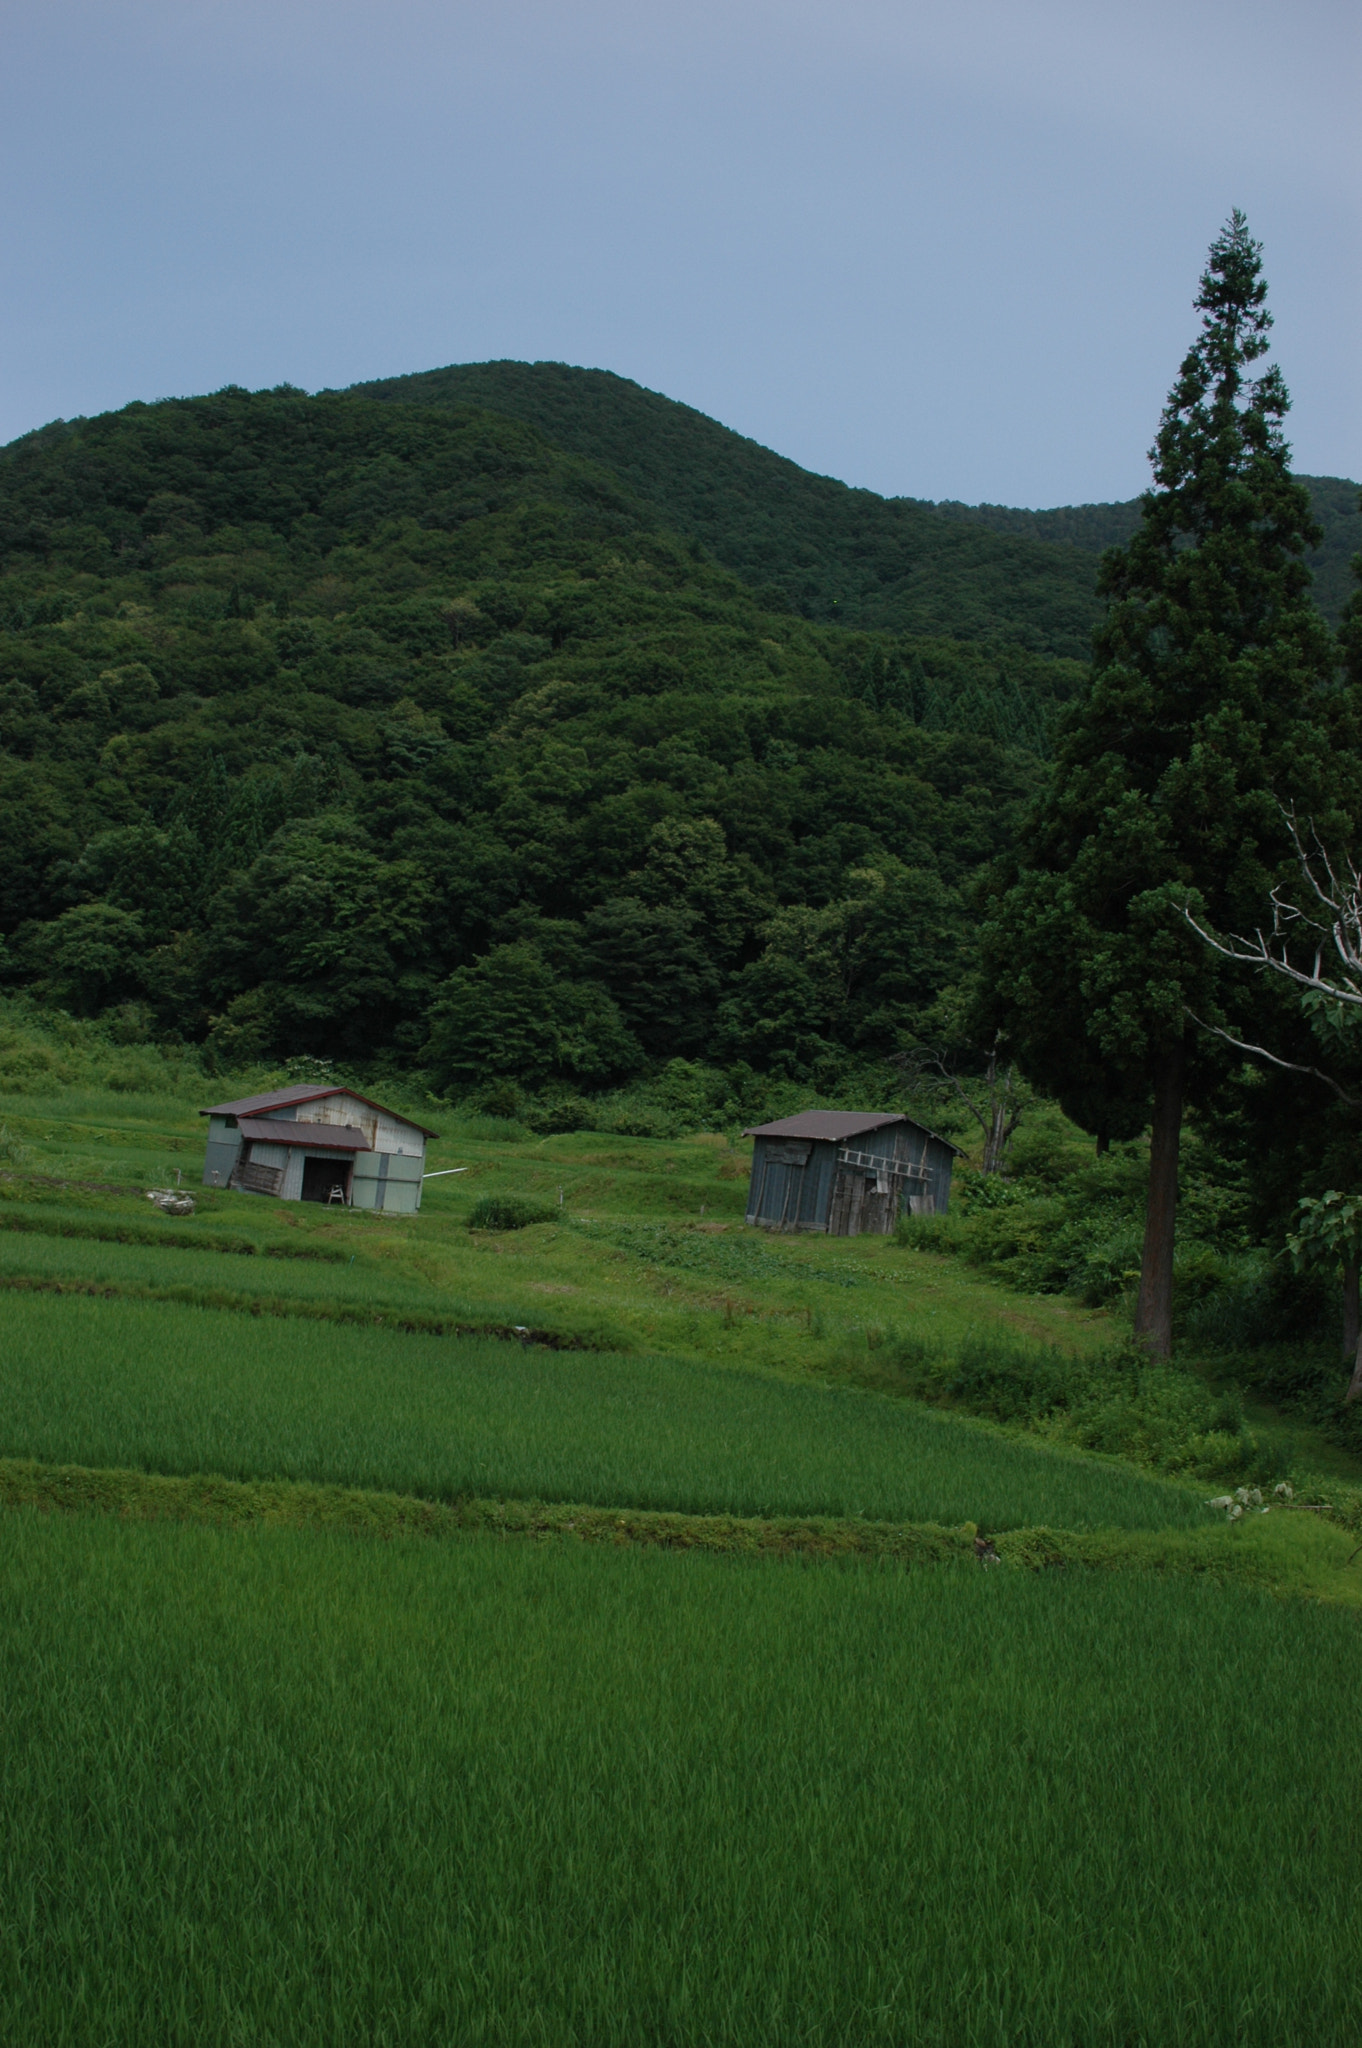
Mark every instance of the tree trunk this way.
pixel 1154 1304
pixel 1002 1118
pixel 1354 1392
pixel 1351 1328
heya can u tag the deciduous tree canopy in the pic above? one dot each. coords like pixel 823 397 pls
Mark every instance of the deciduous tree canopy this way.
pixel 323 719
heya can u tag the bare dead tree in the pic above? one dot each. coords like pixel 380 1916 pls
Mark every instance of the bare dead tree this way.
pixel 1002 1106
pixel 1331 928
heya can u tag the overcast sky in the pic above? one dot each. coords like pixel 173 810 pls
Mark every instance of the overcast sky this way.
pixel 946 248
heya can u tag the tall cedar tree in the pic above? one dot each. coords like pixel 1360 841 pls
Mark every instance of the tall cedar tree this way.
pixel 1212 702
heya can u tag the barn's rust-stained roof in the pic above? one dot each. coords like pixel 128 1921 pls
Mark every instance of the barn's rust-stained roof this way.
pixel 283 1098
pixel 835 1126
pixel 290 1130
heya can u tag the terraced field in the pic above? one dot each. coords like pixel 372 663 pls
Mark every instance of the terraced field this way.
pixel 432 1734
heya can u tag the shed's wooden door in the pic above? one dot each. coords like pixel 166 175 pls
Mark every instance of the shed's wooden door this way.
pixel 848 1197
pixel 861 1206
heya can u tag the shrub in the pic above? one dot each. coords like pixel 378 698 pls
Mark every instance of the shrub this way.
pixel 136 1077
pixel 1121 1403
pixel 561 1113
pixel 637 1120
pixel 478 1127
pixel 502 1099
pixel 929 1233
pixel 508 1212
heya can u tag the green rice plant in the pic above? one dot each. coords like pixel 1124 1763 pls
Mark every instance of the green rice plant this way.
pixel 173 1389
pixel 306 1789
pixel 156 1257
pixel 508 1212
pixel 1300 1551
pixel 355 1294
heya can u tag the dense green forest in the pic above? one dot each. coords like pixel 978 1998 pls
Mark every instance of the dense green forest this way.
pixel 338 727
pixel 1333 500
pixel 904 565
pixel 335 727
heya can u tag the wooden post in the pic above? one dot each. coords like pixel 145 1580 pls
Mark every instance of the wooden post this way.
pixel 1154 1304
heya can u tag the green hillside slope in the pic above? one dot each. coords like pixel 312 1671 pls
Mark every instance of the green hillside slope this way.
pixel 897 564
pixel 811 544
pixel 319 717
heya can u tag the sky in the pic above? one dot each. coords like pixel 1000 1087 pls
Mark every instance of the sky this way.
pixel 938 248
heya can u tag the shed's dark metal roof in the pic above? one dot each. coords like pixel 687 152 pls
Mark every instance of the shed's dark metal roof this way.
pixel 837 1125
pixel 281 1098
pixel 288 1130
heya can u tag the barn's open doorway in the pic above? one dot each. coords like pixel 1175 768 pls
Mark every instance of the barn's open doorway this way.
pixel 321 1176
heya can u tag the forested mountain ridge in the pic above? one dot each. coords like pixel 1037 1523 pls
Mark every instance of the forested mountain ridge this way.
pixel 904 565
pixel 343 727
pixel 807 543
pixel 1333 499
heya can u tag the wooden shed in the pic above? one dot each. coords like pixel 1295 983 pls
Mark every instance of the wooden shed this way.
pixel 313 1144
pixel 847 1172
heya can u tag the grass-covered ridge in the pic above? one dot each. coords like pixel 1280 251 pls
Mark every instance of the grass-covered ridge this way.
pixel 1292 1556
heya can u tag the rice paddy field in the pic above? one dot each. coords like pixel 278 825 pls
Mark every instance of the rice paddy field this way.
pixel 179 1390
pixel 264 1781
pixel 311 1790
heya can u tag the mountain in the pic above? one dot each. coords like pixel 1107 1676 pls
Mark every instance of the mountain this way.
pixel 818 547
pixel 345 727
pixel 354 729
pixel 808 543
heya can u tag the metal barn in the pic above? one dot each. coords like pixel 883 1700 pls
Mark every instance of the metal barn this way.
pixel 313 1144
pixel 847 1173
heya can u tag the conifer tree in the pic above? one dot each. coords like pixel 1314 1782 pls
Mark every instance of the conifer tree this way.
pixel 1212 702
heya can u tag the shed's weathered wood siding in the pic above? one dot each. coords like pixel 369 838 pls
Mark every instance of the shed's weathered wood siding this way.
pixel 803 1184
pixel 791 1184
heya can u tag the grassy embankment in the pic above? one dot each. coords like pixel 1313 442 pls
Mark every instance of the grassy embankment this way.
pixel 656 1255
